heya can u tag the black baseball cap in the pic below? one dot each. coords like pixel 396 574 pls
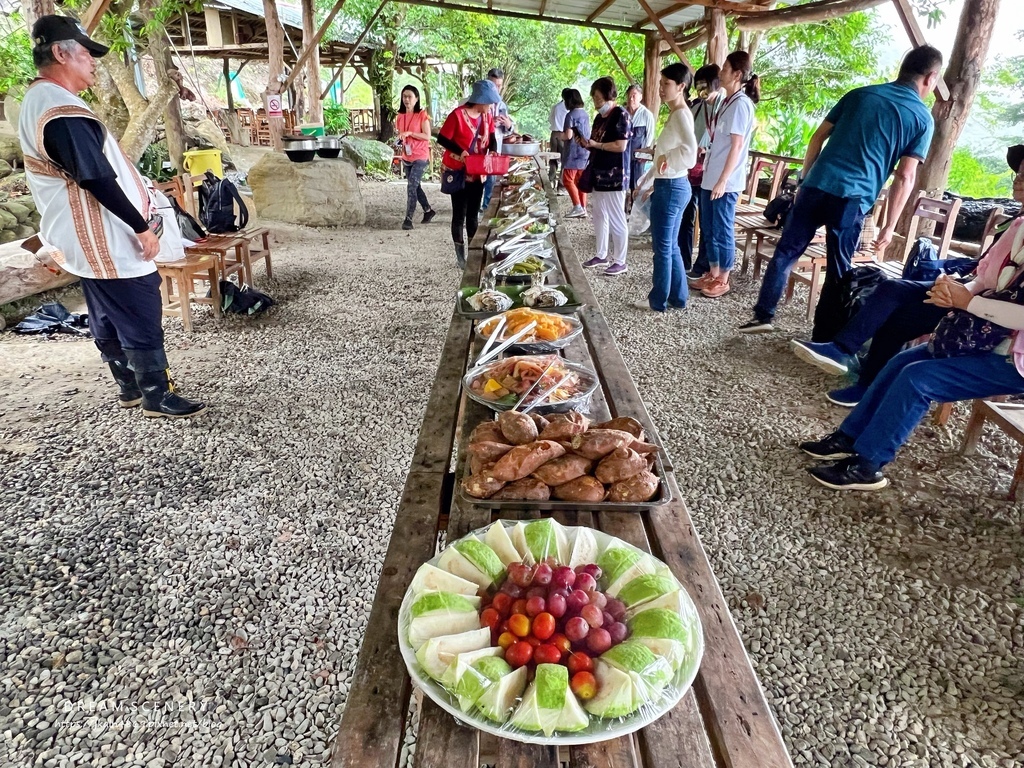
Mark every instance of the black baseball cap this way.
pixel 496 74
pixel 1015 156
pixel 53 29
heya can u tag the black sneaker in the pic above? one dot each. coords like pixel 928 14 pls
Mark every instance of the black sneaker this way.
pixel 836 446
pixel 757 326
pixel 407 224
pixel 851 474
pixel 428 216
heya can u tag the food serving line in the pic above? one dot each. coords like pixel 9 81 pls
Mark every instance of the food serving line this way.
pixel 723 720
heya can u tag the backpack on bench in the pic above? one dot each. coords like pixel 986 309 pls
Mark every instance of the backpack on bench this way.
pixel 217 198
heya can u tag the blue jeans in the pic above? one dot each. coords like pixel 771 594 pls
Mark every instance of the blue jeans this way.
pixel 668 201
pixel 717 219
pixel 686 229
pixel 842 219
pixel 899 398
pixel 488 191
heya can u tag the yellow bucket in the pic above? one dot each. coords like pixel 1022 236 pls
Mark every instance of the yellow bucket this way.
pixel 199 161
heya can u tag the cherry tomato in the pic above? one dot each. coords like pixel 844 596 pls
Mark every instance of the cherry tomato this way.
pixel 506 639
pixel 519 654
pixel 519 606
pixel 561 642
pixel 490 618
pixel 580 662
pixel 532 640
pixel 544 626
pixel 584 685
pixel 502 603
pixel 546 653
pixel 519 625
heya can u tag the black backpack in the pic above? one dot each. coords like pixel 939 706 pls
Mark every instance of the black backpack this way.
pixel 217 198
pixel 778 209
pixel 190 229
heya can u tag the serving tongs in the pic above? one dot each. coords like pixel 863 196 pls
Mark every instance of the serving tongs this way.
pixel 554 359
pixel 505 345
pixel 495 334
pixel 546 395
pixel 519 223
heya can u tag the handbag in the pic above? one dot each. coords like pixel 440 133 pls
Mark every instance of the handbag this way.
pixel 584 183
pixel 961 333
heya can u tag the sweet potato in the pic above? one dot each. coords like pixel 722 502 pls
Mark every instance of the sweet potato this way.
pixel 598 443
pixel 564 426
pixel 539 420
pixel 626 424
pixel 620 464
pixel 642 447
pixel 527 489
pixel 523 460
pixel 486 432
pixel 483 485
pixel 583 489
pixel 484 453
pixel 518 428
pixel 640 487
pixel 563 469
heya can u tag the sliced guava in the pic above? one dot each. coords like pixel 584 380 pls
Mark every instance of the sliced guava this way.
pixel 546 538
pixel 674 601
pixel 544 699
pixel 615 560
pixel 497 538
pixel 572 717
pixel 433 625
pixel 584 548
pixel 614 692
pixel 473 678
pixel 650 673
pixel 430 578
pixel 443 602
pixel 518 537
pixel 644 565
pixel 499 699
pixel 658 622
pixel 453 561
pixel 449 678
pixel 437 653
pixel 483 557
pixel 673 651
pixel 647 587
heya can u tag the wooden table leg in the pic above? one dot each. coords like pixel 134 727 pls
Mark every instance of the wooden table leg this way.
pixel 215 289
pixel 185 300
pixel 974 429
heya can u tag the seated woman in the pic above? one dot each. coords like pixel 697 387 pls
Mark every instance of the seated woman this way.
pixel 894 315
pixel 959 363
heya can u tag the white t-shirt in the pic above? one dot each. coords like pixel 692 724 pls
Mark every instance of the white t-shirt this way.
pixel 735 118
pixel 557 116
pixel 643 117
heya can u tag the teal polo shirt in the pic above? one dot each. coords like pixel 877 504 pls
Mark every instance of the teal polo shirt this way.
pixel 875 126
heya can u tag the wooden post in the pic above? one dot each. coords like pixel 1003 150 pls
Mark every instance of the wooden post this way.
pixel 275 74
pixel 652 71
pixel 664 33
pixel 963 75
pixel 307 50
pixel 909 18
pixel 355 46
pixel 230 116
pixel 91 19
pixel 314 102
pixel 718 36
pixel 615 56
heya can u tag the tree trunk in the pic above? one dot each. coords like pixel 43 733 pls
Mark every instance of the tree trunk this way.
pixel 174 128
pixel 33 9
pixel 426 102
pixel 963 75
pixel 313 84
pixel 652 71
pixel 382 78
pixel 718 36
pixel 821 10
pixel 275 48
pixel 108 103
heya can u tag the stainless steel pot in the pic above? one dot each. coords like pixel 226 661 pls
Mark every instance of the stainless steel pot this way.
pixel 521 150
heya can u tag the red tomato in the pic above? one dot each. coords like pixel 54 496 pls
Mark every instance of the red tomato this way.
pixel 580 662
pixel 546 653
pixel 584 685
pixel 532 640
pixel 490 618
pixel 519 654
pixel 544 626
pixel 561 642
pixel 519 606
pixel 502 603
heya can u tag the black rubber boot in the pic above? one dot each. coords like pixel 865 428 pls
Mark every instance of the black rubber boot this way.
pixel 159 400
pixel 130 395
pixel 460 255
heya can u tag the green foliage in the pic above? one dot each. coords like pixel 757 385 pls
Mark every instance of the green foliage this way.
pixel 151 164
pixel 974 177
pixel 336 119
pixel 16 68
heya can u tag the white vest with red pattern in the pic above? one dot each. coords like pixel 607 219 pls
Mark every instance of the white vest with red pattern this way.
pixel 92 241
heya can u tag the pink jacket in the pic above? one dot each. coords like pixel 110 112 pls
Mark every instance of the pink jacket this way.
pixel 1004 313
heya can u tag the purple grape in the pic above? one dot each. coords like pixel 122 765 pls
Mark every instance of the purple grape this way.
pixel 618 632
pixel 594 570
pixel 586 582
pixel 576 600
pixel 616 608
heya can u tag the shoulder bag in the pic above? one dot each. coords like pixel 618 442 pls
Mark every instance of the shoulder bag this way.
pixel 454 179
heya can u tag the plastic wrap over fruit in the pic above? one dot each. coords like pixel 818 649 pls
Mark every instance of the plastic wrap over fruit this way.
pixel 549 634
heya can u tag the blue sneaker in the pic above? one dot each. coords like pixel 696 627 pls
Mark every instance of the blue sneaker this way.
pixel 828 357
pixel 847 397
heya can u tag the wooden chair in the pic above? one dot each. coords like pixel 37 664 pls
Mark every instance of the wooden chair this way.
pixel 178 286
pixel 1009 417
pixel 943 213
pixel 237 250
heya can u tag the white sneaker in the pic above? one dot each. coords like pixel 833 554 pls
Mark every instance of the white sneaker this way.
pixel 644 304
pixel 577 212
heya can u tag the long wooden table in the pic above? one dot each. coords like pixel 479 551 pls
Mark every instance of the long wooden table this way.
pixel 723 721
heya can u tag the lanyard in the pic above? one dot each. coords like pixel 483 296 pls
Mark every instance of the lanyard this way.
pixel 713 125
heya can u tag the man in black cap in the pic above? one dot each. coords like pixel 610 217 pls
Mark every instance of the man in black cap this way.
pixel 96 211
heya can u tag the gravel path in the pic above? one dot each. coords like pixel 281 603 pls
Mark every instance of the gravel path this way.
pixel 195 593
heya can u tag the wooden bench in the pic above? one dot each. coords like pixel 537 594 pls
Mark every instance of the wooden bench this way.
pixel 723 720
pixel 1009 417
pixel 177 287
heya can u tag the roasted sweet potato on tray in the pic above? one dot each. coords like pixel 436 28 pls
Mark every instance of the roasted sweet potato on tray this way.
pixel 518 428
pixel 582 489
pixel 598 443
pixel 640 487
pixel 563 469
pixel 486 432
pixel 523 460
pixel 482 485
pixel 620 464
pixel 484 453
pixel 527 489
pixel 540 420
pixel 626 424
pixel 564 426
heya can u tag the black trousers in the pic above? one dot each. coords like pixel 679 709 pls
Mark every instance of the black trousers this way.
pixel 125 317
pixel 892 316
pixel 466 211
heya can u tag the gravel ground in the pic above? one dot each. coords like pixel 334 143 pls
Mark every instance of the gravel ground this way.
pixel 195 593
